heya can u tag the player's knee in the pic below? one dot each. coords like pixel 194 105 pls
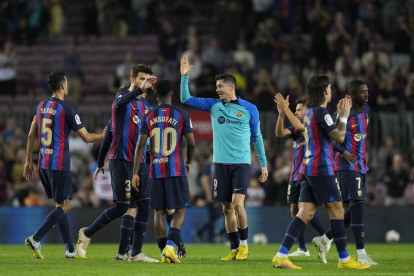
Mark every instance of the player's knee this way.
pixel 143 210
pixel 131 212
pixel 294 210
pixel 238 206
pixel 227 208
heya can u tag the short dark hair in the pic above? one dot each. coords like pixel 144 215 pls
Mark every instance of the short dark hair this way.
pixel 144 68
pixel 227 78
pixel 301 101
pixel 55 80
pixel 354 85
pixel 315 89
pixel 162 87
pixel 125 86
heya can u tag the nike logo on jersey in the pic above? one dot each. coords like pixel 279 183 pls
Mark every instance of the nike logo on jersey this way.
pixel 238 189
pixel 354 125
pixel 119 96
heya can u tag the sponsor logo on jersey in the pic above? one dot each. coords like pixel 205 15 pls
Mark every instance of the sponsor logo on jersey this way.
pixel 221 120
pixel 328 120
pixel 77 119
pixel 46 151
pixel 357 137
pixel 160 161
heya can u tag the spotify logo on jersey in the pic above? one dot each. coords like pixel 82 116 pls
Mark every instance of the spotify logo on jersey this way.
pixel 221 120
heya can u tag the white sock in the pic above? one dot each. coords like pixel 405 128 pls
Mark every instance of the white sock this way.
pixel 361 252
pixel 344 260
pixel 243 242
pixel 170 247
pixel 281 255
pixel 235 250
pixel 326 239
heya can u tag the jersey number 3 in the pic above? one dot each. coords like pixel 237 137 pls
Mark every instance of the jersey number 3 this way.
pixel 167 148
pixel 46 129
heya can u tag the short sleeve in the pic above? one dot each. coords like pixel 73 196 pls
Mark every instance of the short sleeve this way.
pixel 292 130
pixel 144 126
pixel 324 119
pixel 73 119
pixel 187 125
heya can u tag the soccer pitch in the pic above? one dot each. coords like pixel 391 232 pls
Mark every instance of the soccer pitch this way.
pixel 393 259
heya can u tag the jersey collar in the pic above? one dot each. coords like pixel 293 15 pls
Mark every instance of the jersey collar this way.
pixel 232 101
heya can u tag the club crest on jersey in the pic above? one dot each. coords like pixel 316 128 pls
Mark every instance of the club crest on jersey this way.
pixel 328 120
pixel 357 137
pixel 239 114
pixel 128 195
pixel 146 111
pixel 367 121
pixel 135 119
pixel 215 194
pixel 359 193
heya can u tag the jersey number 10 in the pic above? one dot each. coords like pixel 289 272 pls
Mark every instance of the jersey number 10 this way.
pixel 167 148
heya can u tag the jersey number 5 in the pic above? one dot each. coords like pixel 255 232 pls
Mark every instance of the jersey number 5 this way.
pixel 46 129
pixel 167 148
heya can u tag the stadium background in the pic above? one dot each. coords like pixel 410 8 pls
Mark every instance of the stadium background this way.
pixel 270 46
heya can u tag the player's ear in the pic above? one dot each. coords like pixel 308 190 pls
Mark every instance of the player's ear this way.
pixel 156 94
pixel 132 79
pixel 172 92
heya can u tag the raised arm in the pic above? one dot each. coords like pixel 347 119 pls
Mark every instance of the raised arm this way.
pixel 28 167
pixel 122 99
pixel 338 134
pixel 284 105
pixel 185 96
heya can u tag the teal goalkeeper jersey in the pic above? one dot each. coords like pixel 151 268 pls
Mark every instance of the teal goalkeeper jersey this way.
pixel 234 123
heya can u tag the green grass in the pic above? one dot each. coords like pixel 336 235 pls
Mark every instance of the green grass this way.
pixel 393 259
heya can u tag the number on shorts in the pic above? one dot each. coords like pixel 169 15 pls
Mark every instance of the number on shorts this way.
pixel 337 184
pixel 359 182
pixel 215 184
pixel 128 183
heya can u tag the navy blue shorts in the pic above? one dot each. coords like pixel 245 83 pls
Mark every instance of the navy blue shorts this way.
pixel 229 180
pixel 293 192
pixel 353 185
pixel 121 177
pixel 144 186
pixel 169 193
pixel 57 184
pixel 320 189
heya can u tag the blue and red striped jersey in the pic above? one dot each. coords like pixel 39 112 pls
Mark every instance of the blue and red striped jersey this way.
pixel 298 152
pixel 166 126
pixel 127 114
pixel 55 120
pixel 318 160
pixel 356 132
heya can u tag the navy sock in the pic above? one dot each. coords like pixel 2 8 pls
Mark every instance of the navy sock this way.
pixel 64 231
pixel 347 221
pixel 126 228
pixel 317 224
pixel 162 243
pixel 52 218
pixel 295 227
pixel 302 241
pixel 131 239
pixel 173 236
pixel 357 223
pixel 106 217
pixel 243 233
pixel 140 226
pixel 339 236
pixel 234 239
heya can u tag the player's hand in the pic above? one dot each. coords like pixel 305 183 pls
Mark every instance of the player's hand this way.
pixel 185 69
pixel 135 182
pixel 281 102
pixel 132 86
pixel 264 175
pixel 350 157
pixel 148 82
pixel 95 175
pixel 188 168
pixel 28 171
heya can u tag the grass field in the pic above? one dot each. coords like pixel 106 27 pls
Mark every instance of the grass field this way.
pixel 393 259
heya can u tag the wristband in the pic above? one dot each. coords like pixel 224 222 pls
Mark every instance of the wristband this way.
pixel 343 120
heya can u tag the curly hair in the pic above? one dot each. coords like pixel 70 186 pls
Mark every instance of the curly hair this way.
pixel 144 68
